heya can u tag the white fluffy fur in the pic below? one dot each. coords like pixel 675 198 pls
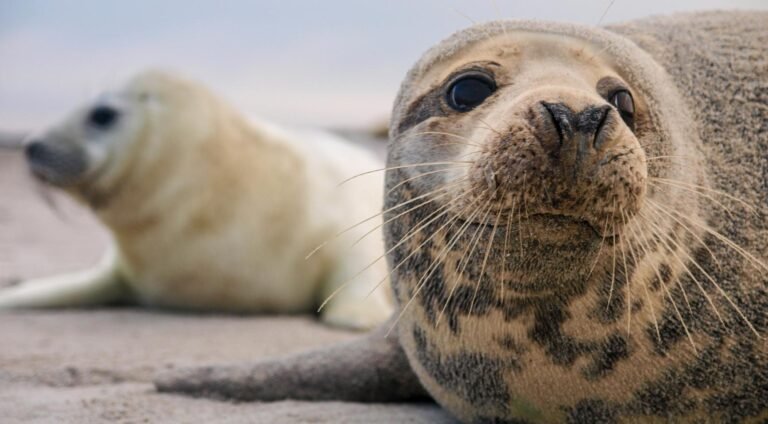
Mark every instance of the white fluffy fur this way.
pixel 209 212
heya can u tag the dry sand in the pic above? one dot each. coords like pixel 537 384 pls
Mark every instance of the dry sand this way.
pixel 97 365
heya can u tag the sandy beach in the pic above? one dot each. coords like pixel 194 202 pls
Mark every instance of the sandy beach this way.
pixel 97 365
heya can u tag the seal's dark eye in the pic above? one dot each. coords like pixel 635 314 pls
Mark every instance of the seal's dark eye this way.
pixel 102 117
pixel 623 102
pixel 469 91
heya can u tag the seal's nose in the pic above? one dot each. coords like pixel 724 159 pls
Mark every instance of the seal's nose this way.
pixel 580 131
pixel 37 151
pixel 54 161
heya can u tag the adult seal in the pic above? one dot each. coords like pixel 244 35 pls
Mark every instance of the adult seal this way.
pixel 208 211
pixel 601 254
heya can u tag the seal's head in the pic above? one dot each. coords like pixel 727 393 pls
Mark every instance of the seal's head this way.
pixel 67 154
pixel 547 125
pixel 529 156
pixel 121 137
pixel 553 127
pixel 559 141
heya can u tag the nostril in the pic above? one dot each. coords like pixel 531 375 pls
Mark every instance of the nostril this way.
pixel 562 118
pixel 553 121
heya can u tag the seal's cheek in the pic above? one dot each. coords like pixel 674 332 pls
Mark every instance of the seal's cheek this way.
pixel 511 167
pixel 619 182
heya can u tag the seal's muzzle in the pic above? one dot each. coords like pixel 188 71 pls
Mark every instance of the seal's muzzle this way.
pixel 55 163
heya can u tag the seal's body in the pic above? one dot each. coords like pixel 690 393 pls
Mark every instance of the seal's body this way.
pixel 595 242
pixel 209 212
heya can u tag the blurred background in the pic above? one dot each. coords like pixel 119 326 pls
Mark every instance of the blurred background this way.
pixel 335 63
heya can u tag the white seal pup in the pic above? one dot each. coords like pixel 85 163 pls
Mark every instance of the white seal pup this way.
pixel 209 212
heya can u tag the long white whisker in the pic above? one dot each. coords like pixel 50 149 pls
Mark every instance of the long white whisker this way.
pixel 485 261
pixel 682 184
pixel 420 284
pixel 372 230
pixel 719 289
pixel 669 242
pixel 420 176
pixel 756 263
pixel 403 240
pixel 656 230
pixel 627 279
pixel 725 208
pixel 444 187
pixel 631 227
pixel 464 260
pixel 413 165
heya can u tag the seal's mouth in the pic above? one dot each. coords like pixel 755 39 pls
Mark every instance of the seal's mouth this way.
pixel 561 221
pixel 566 222
pixel 553 227
pixel 557 227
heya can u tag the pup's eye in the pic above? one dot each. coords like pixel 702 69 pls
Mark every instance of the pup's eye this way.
pixel 103 117
pixel 623 102
pixel 469 91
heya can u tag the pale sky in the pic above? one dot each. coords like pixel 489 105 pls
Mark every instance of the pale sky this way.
pixel 323 63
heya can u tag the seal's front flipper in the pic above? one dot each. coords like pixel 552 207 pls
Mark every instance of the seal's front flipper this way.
pixel 96 286
pixel 373 368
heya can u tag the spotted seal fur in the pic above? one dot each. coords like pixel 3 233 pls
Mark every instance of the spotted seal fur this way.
pixel 600 254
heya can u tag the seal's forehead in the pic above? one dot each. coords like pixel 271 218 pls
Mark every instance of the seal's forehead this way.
pixel 509 31
pixel 524 43
pixel 511 50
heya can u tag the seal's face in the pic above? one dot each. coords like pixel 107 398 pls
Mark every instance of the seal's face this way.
pixel 78 152
pixel 129 138
pixel 534 221
pixel 538 127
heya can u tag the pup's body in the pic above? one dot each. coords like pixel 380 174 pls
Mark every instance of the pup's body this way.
pixel 594 260
pixel 209 212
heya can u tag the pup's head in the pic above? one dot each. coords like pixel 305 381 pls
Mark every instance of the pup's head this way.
pixel 120 137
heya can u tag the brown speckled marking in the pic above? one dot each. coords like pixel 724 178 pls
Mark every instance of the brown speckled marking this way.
pixel 591 308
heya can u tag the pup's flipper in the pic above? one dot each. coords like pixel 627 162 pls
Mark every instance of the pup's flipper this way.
pixel 373 368
pixel 96 286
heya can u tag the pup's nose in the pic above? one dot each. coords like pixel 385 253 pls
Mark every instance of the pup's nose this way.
pixel 37 151
pixel 580 131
